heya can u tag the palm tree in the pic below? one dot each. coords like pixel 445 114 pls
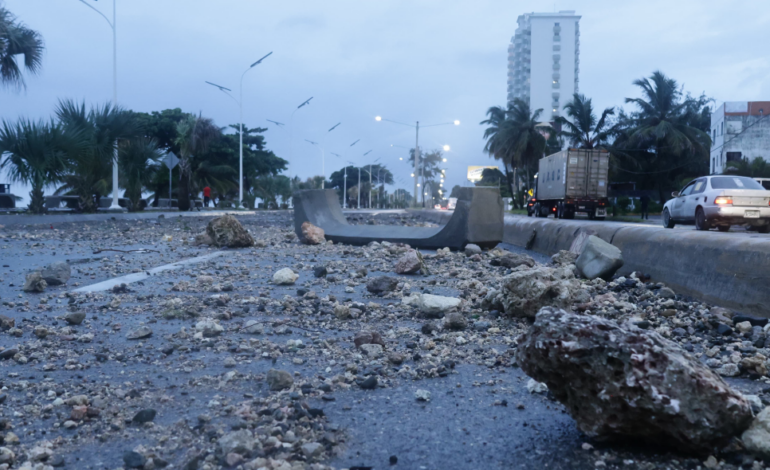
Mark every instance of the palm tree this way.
pixel 494 135
pixel 658 139
pixel 90 166
pixel 583 130
pixel 138 164
pixel 194 135
pixel 756 168
pixel 33 156
pixel 18 40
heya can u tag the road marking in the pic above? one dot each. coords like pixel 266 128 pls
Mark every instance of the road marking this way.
pixel 134 277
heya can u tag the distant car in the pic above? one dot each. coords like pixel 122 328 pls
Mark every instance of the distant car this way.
pixel 531 206
pixel 719 201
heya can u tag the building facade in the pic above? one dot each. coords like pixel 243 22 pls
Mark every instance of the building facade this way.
pixel 739 129
pixel 544 61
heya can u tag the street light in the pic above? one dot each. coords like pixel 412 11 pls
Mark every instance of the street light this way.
pixel 113 25
pixel 240 124
pixel 291 129
pixel 417 148
pixel 446 148
pixel 323 153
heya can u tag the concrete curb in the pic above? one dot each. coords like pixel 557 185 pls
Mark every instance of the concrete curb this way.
pixel 718 268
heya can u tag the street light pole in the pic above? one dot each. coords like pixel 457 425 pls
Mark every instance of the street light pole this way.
pixel 113 25
pixel 240 125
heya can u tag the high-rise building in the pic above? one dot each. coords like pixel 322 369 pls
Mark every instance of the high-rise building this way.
pixel 544 61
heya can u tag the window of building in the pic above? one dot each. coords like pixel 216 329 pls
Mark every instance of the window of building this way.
pixel 558 48
pixel 722 129
pixel 556 38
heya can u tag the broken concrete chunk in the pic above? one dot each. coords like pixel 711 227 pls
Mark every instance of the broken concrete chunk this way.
pixel 599 259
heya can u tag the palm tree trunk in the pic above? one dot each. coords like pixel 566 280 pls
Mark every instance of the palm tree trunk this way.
pixel 184 185
pixel 509 179
pixel 36 200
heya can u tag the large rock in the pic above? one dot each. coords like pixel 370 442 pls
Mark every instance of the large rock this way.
pixel 526 290
pixel 564 257
pixel 57 273
pixel 409 263
pixel 312 235
pixel 625 382
pixel 34 282
pixel 227 231
pixel 599 259
pixel 382 284
pixel 284 277
pixel 756 439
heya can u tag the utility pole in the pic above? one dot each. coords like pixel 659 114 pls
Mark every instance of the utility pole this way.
pixel 416 159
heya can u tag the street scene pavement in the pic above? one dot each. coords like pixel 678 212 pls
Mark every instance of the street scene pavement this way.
pixel 327 365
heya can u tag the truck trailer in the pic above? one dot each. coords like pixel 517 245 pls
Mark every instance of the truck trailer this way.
pixel 571 181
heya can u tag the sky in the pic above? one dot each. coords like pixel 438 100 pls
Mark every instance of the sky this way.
pixel 407 60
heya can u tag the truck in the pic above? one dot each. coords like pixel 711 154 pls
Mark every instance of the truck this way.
pixel 571 181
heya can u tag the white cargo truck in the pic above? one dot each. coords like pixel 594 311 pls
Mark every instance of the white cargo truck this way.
pixel 571 181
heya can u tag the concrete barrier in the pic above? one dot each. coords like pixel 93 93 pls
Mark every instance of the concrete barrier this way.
pixel 727 269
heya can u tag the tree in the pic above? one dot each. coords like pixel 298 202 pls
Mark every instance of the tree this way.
pixel 494 178
pixel 194 135
pixel 33 155
pixel 756 168
pixel 89 166
pixel 664 139
pixel 428 169
pixel 18 40
pixel 269 188
pixel 554 143
pixel 456 191
pixel 583 130
pixel 138 160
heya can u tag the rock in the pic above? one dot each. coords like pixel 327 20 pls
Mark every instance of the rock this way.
pixel 134 459
pixel 57 273
pixel 341 312
pixel 409 263
pixel 666 293
pixel 253 327
pixel 139 333
pixel 431 305
pixel 382 284
pixel 533 386
pixel 202 239
pixel 312 449
pixel 279 380
pixel 514 260
pixel 373 351
pixel 8 353
pixel 144 416
pixel 209 328
pixel 455 321
pixel 312 235
pixel 743 327
pixel 34 282
pixel 724 330
pixel 729 370
pixel 40 331
pixel 630 383
pixel 237 442
pixel 227 231
pixel 285 277
pixel 428 328
pixel 422 395
pixel 525 291
pixel 564 258
pixel 481 325
pixel 75 318
pixel 599 259
pixel 6 323
pixel 396 358
pixel 755 321
pixel 320 271
pixel 756 439
pixel 368 337
pixel 369 384
pixel 472 249
pixel 6 455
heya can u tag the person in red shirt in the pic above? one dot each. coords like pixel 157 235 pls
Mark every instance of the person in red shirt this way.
pixel 206 196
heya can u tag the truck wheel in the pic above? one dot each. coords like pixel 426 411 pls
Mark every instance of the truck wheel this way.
pixel 700 220
pixel 667 222
pixel 569 213
pixel 724 228
pixel 599 218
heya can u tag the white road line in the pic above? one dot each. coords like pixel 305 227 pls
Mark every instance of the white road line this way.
pixel 134 277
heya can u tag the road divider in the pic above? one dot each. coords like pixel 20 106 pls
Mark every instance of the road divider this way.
pixel 727 269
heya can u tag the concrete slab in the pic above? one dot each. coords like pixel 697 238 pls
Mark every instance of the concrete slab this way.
pixel 477 219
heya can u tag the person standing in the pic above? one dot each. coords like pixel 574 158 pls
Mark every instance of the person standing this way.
pixel 206 196
pixel 645 201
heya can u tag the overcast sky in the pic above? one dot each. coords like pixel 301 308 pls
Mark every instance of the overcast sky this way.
pixel 407 60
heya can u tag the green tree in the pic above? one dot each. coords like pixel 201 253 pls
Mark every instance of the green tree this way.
pixel 138 160
pixel 663 140
pixel 583 129
pixel 194 135
pixel 554 143
pixel 33 155
pixel 269 188
pixel 18 40
pixel 756 168
pixel 492 177
pixel 428 170
pixel 90 165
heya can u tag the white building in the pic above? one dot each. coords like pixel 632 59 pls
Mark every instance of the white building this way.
pixel 544 60
pixel 739 129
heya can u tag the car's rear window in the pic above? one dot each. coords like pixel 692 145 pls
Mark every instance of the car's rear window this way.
pixel 734 182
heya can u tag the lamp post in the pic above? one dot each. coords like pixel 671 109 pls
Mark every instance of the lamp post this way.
pixel 370 181
pixel 323 154
pixel 240 125
pixel 113 25
pixel 291 129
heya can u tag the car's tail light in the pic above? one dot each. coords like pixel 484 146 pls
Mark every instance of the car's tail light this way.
pixel 553 209
pixel 724 200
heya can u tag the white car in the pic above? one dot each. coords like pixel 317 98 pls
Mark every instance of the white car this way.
pixel 719 201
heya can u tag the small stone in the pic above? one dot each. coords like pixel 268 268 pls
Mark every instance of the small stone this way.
pixel 56 273
pixel 312 449
pixel 320 271
pixel 756 439
pixel 312 235
pixel 227 231
pixel 209 328
pixel 75 318
pixel 284 277
pixel 472 249
pixel 729 370
pixel 134 459
pixel 409 263
pixel 229 362
pixel 368 337
pixel 396 358
pixel 382 284
pixel 279 380
pixel 253 327
pixel 743 327
pixel 724 330
pixel 455 321
pixel 6 323
pixel 599 259
pixel 373 351
pixel 422 395
pixel 533 386
pixel 140 333
pixel 666 293
pixel 341 312
pixel 369 384
pixel 40 331
pixel 34 282
pixel 144 416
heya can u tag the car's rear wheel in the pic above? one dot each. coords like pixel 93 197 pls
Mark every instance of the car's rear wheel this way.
pixel 700 220
pixel 667 221
pixel 764 229
pixel 724 228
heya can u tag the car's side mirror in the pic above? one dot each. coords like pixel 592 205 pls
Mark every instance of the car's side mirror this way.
pixel 675 194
